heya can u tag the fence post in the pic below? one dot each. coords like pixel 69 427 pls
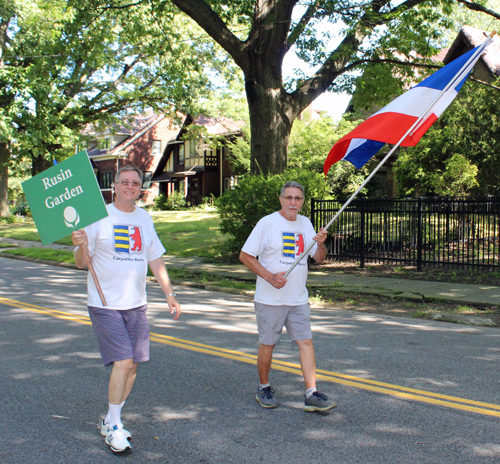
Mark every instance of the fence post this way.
pixel 362 233
pixel 419 234
pixel 313 218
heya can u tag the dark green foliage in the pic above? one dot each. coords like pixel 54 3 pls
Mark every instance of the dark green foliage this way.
pixel 257 196
pixel 174 201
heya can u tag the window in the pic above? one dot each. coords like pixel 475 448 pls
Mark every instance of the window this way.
pixel 146 179
pixel 196 186
pixel 156 148
pixel 181 154
pixel 193 157
pixel 106 143
pixel 105 179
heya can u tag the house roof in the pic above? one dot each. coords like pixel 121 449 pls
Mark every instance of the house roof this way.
pixel 468 38
pixel 219 126
pixel 132 123
pixel 142 124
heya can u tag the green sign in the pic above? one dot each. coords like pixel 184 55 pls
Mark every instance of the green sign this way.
pixel 65 198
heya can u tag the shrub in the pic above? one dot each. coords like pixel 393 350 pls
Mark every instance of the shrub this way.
pixel 257 196
pixel 22 209
pixel 13 219
pixel 174 201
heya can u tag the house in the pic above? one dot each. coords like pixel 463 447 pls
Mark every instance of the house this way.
pixel 198 166
pixel 154 144
pixel 487 69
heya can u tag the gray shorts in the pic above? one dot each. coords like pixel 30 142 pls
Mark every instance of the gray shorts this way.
pixel 121 334
pixel 272 319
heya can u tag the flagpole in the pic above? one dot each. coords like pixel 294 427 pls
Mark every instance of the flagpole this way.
pixel 90 267
pixel 458 75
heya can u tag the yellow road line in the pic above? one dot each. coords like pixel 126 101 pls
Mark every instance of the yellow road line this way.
pixel 42 310
pixel 464 404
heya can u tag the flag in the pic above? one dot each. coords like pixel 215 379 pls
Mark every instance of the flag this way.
pixel 420 106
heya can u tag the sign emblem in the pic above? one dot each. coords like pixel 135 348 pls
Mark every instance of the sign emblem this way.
pixel 293 244
pixel 128 239
pixel 71 217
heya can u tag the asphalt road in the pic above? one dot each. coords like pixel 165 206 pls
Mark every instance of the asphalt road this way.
pixel 407 391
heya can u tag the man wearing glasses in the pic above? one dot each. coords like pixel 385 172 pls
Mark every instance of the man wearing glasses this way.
pixel 121 246
pixel 272 247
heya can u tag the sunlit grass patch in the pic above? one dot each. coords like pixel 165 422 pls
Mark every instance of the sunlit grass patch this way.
pixel 61 256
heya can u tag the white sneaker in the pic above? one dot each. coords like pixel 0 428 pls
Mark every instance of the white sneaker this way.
pixel 104 430
pixel 116 440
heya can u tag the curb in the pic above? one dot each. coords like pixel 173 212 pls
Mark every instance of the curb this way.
pixel 478 321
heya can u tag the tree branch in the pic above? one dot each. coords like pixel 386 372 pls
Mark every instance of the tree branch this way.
pixel 304 21
pixel 114 84
pixel 476 7
pixel 207 19
pixel 338 61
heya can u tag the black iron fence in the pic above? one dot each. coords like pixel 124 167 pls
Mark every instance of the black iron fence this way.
pixel 460 232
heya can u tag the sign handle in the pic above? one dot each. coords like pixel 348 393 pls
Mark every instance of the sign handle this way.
pixel 94 275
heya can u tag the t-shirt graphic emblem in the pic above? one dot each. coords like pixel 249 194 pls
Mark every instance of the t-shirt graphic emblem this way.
pixel 293 244
pixel 128 239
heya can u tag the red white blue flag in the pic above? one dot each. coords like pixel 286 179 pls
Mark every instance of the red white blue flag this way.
pixel 392 122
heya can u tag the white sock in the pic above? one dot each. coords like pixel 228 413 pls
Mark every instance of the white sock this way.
pixel 108 415
pixel 310 391
pixel 264 386
pixel 114 414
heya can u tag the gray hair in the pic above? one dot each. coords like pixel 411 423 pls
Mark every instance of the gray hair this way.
pixel 293 184
pixel 128 167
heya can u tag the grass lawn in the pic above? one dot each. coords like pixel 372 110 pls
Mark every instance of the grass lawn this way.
pixel 183 233
pixel 21 231
pixel 190 233
pixel 61 256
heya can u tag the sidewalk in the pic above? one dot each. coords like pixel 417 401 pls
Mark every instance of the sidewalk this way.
pixel 466 294
pixel 395 288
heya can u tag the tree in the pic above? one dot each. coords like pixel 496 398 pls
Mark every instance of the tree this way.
pixel 460 153
pixel 374 31
pixel 310 142
pixel 68 63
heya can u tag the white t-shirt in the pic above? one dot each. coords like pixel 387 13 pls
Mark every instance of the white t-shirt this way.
pixel 277 242
pixel 121 245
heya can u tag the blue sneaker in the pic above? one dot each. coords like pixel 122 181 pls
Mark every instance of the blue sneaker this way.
pixel 265 396
pixel 318 402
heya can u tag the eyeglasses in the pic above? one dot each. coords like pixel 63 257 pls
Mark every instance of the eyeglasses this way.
pixel 290 198
pixel 126 183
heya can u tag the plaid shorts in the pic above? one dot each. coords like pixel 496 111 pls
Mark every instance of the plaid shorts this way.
pixel 122 334
pixel 272 319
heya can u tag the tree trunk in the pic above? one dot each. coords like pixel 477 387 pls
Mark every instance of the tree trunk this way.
pixel 39 164
pixel 270 127
pixel 4 176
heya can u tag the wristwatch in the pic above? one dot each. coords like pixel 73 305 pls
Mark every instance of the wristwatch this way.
pixel 171 294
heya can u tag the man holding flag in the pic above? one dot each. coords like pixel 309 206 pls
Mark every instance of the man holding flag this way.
pixel 274 243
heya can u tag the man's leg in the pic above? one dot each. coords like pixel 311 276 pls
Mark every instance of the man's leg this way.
pixel 307 362
pixel 130 381
pixel 121 380
pixel 265 394
pixel 264 360
pixel 314 401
